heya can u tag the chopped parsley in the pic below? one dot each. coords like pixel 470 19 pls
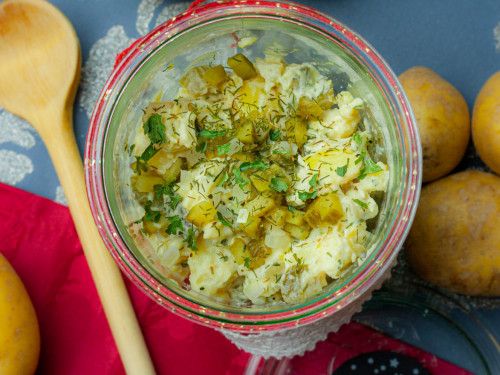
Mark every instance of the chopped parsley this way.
pixel 313 181
pixel 155 129
pixel 223 149
pixel 191 240
pixel 274 134
pixel 281 152
pixel 211 134
pixel 151 215
pixel 278 185
pixel 239 178
pixel 304 195
pixel 175 225
pixel 202 146
pixel 341 171
pixel 168 190
pixel 357 138
pixel 370 167
pixel 256 164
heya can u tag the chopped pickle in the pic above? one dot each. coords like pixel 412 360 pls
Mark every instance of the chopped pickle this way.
pixel 296 131
pixel 246 132
pixel 296 217
pixel 277 216
pixel 242 66
pixel 201 213
pixel 215 76
pixel 242 156
pixel 252 227
pixel 174 171
pixel 261 205
pixel 298 232
pixel 324 210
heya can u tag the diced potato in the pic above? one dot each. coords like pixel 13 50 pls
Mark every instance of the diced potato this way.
pixel 295 218
pixel 201 213
pixel 296 130
pixel 146 184
pixel 308 108
pixel 246 133
pixel 326 100
pixel 215 76
pixel 261 205
pixel 174 171
pixel 193 76
pixel 324 210
pixel 158 159
pixel 151 228
pixel 277 216
pixel 242 66
pixel 252 227
pixel 298 232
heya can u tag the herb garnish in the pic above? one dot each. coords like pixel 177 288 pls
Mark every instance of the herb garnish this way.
pixel 202 146
pixel 211 134
pixel 313 181
pixel 361 203
pixel 223 149
pixel 357 138
pixel 341 171
pixel 256 164
pixel 223 220
pixel 278 185
pixel 175 225
pixel 191 240
pixel 239 178
pixel 304 195
pixel 151 215
pixel 168 190
pixel 155 129
pixel 274 134
pixel 370 167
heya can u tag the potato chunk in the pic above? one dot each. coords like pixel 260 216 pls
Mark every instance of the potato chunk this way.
pixel 242 66
pixel 146 184
pixel 324 210
pixel 201 213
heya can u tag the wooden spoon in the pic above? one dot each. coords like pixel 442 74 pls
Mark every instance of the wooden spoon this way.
pixel 39 73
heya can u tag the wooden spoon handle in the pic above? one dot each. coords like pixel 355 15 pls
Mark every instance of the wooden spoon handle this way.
pixel 120 314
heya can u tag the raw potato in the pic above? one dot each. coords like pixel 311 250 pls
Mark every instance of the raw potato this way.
pixel 455 239
pixel 19 332
pixel 443 120
pixel 486 123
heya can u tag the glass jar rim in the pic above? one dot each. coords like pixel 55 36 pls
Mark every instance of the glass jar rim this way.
pixel 249 322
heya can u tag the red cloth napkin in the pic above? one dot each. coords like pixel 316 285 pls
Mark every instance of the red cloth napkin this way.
pixel 38 237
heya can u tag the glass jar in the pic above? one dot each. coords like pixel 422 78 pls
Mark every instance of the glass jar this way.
pixel 210 34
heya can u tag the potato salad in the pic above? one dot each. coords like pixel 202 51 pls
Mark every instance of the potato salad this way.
pixel 256 180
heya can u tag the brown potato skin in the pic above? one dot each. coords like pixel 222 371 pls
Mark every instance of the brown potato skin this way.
pixel 443 120
pixel 455 239
pixel 486 123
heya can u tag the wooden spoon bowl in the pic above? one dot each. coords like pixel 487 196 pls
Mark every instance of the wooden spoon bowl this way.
pixel 39 73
